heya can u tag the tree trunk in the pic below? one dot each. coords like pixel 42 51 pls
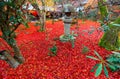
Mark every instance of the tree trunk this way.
pixel 43 23
pixel 4 55
pixel 9 22
pixel 17 54
pixel 12 42
pixel 41 14
pixel 43 17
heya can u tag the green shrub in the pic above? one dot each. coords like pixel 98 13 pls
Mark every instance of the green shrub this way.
pixel 112 62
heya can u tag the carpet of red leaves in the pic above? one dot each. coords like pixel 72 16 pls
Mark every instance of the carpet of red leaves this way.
pixel 69 63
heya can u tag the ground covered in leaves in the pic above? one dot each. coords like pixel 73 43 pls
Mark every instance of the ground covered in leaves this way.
pixel 70 63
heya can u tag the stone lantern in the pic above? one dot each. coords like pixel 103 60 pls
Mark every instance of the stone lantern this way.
pixel 67 20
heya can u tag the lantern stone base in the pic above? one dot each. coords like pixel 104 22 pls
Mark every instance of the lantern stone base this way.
pixel 68 38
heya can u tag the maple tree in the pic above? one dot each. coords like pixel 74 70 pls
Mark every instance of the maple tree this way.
pixel 11 18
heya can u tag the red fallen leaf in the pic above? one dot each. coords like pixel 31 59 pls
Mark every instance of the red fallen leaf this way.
pixel 34 13
pixel 70 63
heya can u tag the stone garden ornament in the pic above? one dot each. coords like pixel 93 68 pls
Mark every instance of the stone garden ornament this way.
pixel 68 19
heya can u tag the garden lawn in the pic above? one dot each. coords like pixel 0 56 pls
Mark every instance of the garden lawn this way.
pixel 70 63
